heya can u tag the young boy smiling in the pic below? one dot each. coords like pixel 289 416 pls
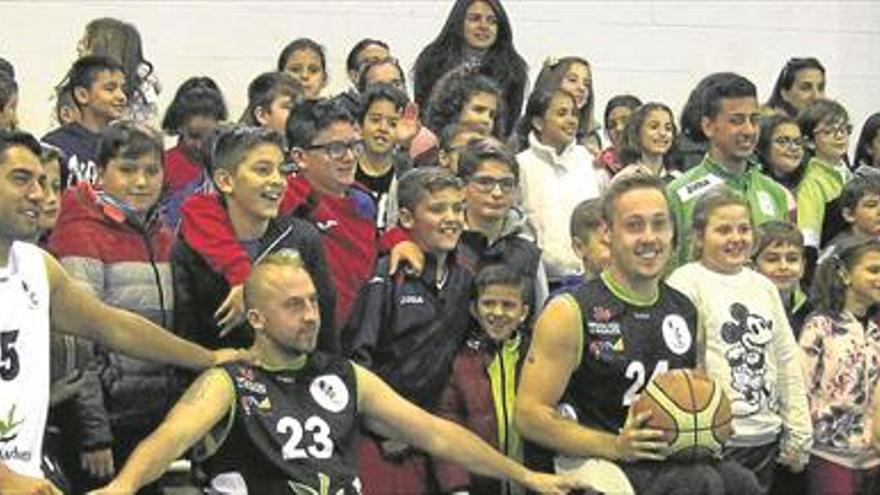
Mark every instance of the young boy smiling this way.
pixel 407 327
pixel 481 392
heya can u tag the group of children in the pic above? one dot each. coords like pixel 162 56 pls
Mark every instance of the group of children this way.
pixel 436 229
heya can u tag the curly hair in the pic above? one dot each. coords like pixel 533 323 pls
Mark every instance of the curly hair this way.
pixel 452 93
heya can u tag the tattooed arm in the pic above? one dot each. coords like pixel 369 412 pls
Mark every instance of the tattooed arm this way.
pixel 204 404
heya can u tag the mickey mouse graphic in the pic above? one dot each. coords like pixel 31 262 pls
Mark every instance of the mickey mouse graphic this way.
pixel 748 336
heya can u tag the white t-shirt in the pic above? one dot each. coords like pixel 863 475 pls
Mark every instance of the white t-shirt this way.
pixel 24 358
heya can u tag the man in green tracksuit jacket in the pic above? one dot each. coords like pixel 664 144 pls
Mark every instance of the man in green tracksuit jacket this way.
pixel 730 121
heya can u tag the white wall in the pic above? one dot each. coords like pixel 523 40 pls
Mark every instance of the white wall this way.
pixel 656 49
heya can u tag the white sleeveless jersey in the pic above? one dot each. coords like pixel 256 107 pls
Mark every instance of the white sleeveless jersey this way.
pixel 24 358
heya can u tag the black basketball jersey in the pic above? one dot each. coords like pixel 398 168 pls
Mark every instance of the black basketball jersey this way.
pixel 293 431
pixel 624 345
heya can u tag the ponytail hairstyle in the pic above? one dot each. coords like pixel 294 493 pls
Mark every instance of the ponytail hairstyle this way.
pixel 717 197
pixel 550 78
pixel 785 81
pixel 537 106
pixel 830 285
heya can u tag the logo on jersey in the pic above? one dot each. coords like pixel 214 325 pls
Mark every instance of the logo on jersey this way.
pixel 9 426
pixel 330 392
pixel 411 300
pixel 601 350
pixel 675 333
pixel 698 187
pixel 33 300
pixel 603 329
pixel 601 315
pixel 81 171
pixel 246 379
pixel 249 402
pixel 765 203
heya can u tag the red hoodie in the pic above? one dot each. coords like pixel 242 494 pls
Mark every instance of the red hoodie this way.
pixel 347 226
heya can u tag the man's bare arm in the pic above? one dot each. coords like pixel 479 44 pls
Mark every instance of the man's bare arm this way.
pixel 553 357
pixel 389 415
pixel 204 404
pixel 75 310
pixel 12 482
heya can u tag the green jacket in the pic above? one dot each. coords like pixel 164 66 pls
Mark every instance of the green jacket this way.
pixel 767 199
pixel 820 185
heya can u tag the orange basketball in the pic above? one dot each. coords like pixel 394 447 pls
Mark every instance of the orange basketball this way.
pixel 691 409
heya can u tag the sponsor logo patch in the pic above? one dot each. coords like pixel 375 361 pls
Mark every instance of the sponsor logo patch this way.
pixel 698 187
pixel 676 335
pixel 330 392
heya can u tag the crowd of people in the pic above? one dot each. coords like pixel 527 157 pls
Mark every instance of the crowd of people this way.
pixel 389 266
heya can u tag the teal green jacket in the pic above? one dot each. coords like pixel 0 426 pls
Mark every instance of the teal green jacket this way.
pixel 768 200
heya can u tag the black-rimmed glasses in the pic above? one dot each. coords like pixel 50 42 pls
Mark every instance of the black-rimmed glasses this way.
pixel 336 149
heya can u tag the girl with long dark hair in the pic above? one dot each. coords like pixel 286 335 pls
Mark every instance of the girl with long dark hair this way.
pixel 801 82
pixel 477 32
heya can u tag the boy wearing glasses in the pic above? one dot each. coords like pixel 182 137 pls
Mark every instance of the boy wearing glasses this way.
pixel 325 143
pixel 407 327
pixel 826 129
pixel 495 228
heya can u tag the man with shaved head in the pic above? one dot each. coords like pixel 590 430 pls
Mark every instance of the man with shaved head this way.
pixel 290 421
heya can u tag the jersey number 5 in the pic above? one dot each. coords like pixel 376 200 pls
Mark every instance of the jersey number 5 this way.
pixel 9 365
pixel 321 446
pixel 636 372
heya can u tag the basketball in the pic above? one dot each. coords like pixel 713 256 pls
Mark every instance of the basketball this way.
pixel 691 409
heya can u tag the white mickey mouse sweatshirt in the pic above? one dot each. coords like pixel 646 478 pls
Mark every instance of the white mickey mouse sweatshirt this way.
pixel 750 350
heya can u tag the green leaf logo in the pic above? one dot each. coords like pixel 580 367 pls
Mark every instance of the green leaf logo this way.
pixel 7 427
